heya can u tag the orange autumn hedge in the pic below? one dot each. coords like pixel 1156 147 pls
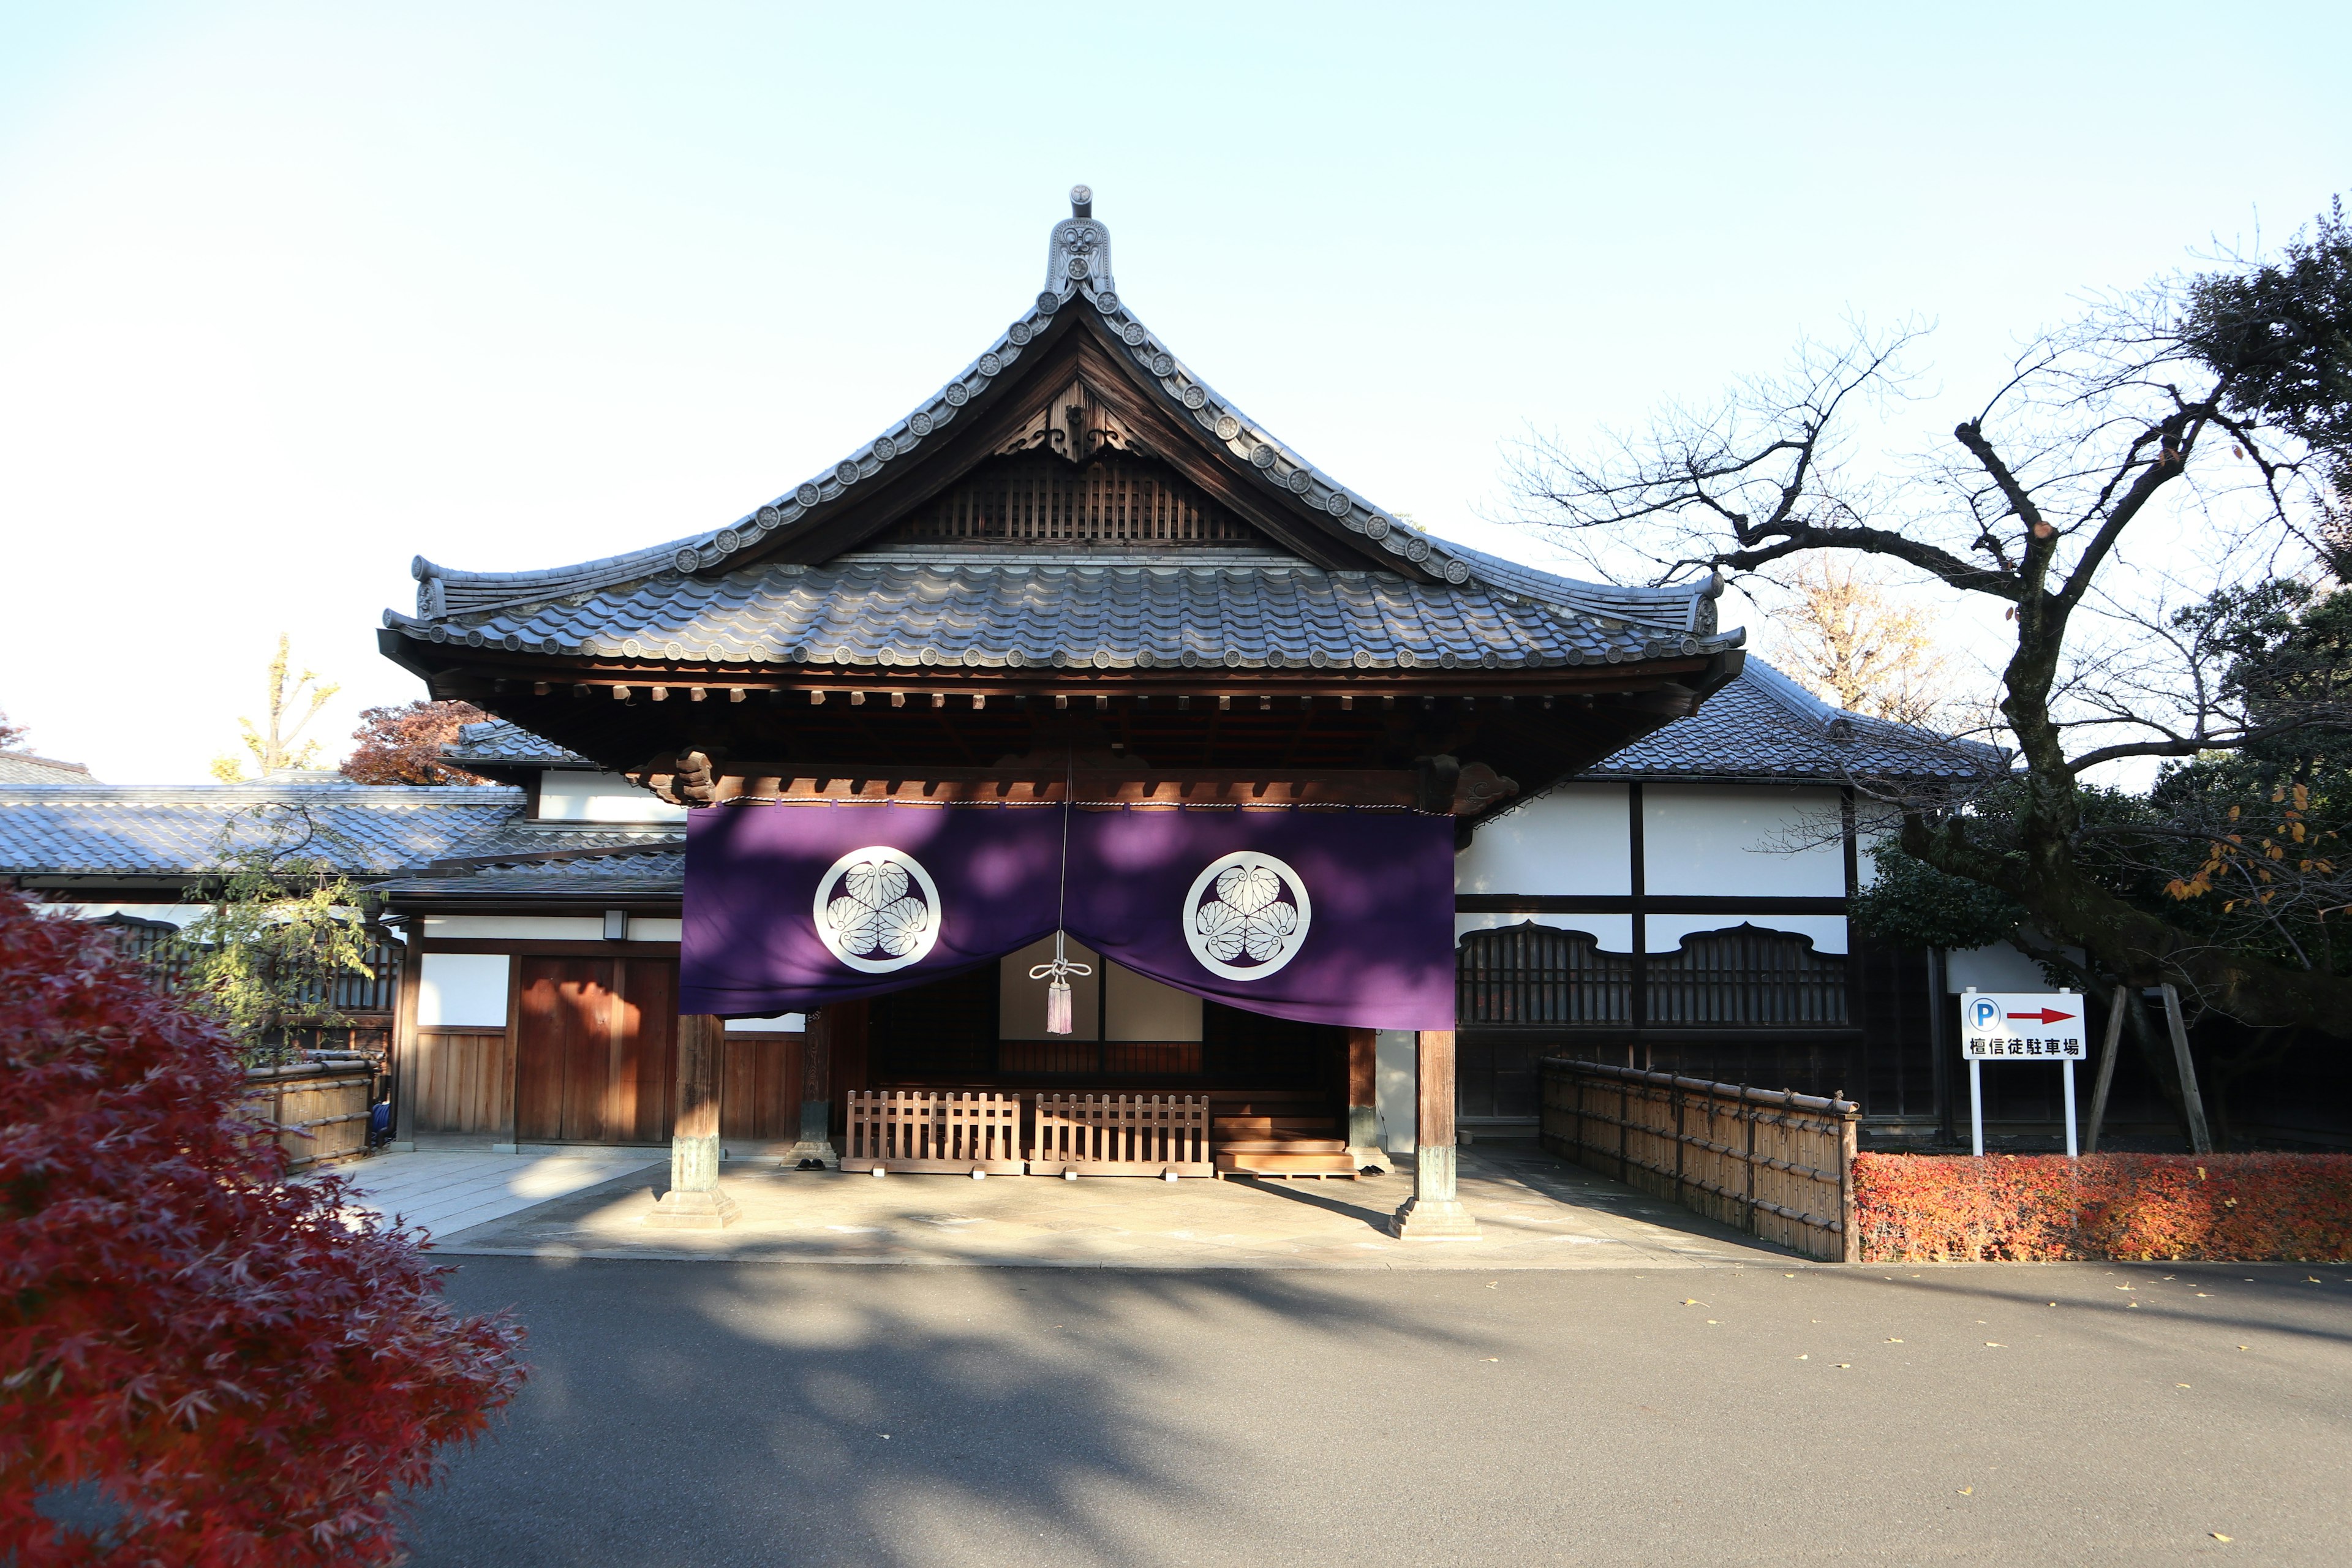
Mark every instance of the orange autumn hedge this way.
pixel 2240 1208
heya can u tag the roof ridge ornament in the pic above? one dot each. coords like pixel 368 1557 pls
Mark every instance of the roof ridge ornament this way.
pixel 1079 253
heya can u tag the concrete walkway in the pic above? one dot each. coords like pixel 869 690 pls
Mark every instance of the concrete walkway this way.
pixel 1537 1213
pixel 446 1191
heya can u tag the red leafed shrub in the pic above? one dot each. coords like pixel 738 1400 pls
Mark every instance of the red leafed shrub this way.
pixel 210 1355
pixel 2237 1208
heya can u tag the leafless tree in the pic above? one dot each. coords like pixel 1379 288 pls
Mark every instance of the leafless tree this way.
pixel 2107 486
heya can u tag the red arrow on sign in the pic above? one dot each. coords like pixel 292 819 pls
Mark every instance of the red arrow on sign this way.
pixel 2047 1015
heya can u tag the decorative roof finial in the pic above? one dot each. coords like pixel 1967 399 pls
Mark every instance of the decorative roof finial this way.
pixel 1079 252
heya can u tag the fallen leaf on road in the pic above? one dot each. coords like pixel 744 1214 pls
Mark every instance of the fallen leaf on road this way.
pixel 1804 1358
pixel 1715 1319
pixel 1995 1344
pixel 1693 1301
pixel 2216 1535
pixel 1844 1363
pixel 2245 1347
pixel 1894 1341
pixel 1492 1358
pixel 1968 1491
pixel 2310 1280
pixel 2180 1385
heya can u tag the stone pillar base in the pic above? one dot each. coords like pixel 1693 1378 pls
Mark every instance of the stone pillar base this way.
pixel 823 1153
pixel 1371 1157
pixel 1424 1219
pixel 707 1210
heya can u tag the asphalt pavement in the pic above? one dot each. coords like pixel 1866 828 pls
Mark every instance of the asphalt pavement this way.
pixel 711 1413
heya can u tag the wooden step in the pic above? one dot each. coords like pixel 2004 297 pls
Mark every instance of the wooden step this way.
pixel 1271 1127
pixel 1287 1165
pixel 1279 1146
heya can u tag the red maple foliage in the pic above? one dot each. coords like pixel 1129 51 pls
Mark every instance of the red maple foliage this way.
pixel 401 744
pixel 243 1377
pixel 2237 1208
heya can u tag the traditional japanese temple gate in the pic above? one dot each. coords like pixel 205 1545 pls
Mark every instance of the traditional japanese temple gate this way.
pixel 1074 605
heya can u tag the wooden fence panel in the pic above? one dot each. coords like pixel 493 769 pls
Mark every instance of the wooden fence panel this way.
pixel 1777 1164
pixel 465 1081
pixel 921 1131
pixel 1121 1135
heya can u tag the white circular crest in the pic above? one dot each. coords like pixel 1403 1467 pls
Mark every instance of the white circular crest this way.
pixel 878 909
pixel 1246 915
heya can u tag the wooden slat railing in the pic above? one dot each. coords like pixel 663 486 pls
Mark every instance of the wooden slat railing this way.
pixel 1121 1135
pixel 917 1130
pixel 1777 1164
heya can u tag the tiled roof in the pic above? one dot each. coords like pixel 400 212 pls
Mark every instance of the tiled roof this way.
pixel 149 830
pixel 496 741
pixel 890 610
pixel 1764 725
pixel 519 838
pixel 707 596
pixel 24 768
pixel 660 874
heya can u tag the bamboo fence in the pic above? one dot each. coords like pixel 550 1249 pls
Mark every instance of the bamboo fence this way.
pixel 1775 1163
pixel 319 1112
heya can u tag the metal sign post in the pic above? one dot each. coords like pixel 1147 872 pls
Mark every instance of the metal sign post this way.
pixel 2016 1026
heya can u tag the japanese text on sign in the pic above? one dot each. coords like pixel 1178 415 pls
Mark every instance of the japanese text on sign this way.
pixel 1999 1025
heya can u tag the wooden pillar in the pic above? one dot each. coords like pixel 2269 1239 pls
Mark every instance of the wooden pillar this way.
pixel 694 1201
pixel 1435 1212
pixel 406 1057
pixel 1363 1101
pixel 814 1147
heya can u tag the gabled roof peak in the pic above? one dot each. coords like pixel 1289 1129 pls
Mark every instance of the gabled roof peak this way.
pixel 1078 251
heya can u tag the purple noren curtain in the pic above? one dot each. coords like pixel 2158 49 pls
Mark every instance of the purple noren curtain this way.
pixel 1328 916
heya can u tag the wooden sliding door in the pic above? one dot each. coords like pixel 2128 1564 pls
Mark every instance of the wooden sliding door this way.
pixel 596 1052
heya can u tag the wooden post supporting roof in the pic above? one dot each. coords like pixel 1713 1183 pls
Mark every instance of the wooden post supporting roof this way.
pixel 694 1201
pixel 816 1148
pixel 1435 1212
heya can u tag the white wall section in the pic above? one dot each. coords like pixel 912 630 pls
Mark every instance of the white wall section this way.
pixel 1829 932
pixel 1719 841
pixel 570 797
pixel 461 990
pixel 1574 840
pixel 781 1023
pixel 1614 932
pixel 1395 1088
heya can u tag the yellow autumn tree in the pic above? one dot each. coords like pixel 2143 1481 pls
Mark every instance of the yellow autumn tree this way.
pixel 293 702
pixel 1847 638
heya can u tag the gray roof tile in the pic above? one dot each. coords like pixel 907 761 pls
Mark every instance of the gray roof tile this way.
pixel 149 830
pixel 498 743
pixel 892 610
pixel 1764 725
pixel 660 874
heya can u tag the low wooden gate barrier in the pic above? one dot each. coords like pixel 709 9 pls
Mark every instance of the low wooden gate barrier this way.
pixel 1121 1135
pixel 922 1131
pixel 1777 1164
pixel 319 1114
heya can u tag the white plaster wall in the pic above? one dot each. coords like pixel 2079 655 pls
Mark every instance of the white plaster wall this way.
pixel 1666 933
pixel 462 988
pixel 546 928
pixel 1614 932
pixel 1139 1008
pixel 1020 1001
pixel 567 796
pixel 1728 841
pixel 1395 1089
pixel 181 915
pixel 1572 840
pixel 1998 968
pixel 518 928
pixel 781 1023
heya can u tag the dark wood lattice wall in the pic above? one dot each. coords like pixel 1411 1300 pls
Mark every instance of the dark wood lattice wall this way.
pixel 1038 498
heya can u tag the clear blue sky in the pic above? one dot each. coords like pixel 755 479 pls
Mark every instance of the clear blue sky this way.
pixel 290 293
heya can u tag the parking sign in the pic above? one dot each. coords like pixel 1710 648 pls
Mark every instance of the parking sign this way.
pixel 2002 1025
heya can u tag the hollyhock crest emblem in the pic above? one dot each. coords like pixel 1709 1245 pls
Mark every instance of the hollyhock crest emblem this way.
pixel 878 909
pixel 1247 915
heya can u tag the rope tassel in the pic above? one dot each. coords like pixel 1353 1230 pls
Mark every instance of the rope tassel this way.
pixel 1058 994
